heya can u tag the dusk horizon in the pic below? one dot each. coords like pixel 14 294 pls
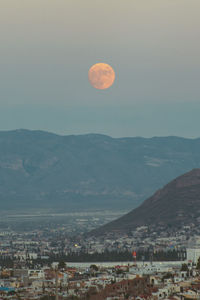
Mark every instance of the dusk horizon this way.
pixel 48 49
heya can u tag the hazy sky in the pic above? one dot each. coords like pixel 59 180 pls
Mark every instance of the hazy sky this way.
pixel 47 47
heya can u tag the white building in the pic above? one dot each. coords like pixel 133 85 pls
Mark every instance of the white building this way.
pixel 193 254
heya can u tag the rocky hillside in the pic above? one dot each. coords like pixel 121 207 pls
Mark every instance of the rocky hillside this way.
pixel 177 204
pixel 44 170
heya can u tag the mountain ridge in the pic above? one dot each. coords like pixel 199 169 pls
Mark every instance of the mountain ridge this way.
pixel 176 204
pixel 40 169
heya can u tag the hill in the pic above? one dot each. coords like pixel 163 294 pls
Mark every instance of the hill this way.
pixel 175 205
pixel 44 170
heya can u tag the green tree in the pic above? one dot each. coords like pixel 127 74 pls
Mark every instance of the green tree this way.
pixel 198 264
pixel 184 267
pixel 94 268
pixel 167 276
pixel 61 265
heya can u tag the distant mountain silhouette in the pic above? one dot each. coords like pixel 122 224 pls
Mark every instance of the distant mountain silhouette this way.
pixel 177 204
pixel 44 170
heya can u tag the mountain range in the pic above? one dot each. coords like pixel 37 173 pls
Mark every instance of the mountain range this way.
pixel 175 205
pixel 42 170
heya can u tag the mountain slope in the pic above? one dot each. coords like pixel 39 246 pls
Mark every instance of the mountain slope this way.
pixel 45 170
pixel 177 204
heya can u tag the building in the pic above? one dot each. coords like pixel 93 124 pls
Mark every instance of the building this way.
pixel 193 255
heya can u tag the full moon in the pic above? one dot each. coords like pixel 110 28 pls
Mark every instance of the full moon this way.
pixel 101 76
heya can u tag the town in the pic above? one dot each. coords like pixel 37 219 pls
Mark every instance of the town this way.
pixel 147 263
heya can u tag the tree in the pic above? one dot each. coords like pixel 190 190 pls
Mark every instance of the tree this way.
pixel 167 276
pixel 198 264
pixel 61 265
pixel 184 267
pixel 94 268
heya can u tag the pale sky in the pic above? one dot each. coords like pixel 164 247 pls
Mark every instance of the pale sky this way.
pixel 47 47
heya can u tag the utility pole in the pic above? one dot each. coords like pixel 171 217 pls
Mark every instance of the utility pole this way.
pixel 151 256
pixel 143 258
pixel 56 283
